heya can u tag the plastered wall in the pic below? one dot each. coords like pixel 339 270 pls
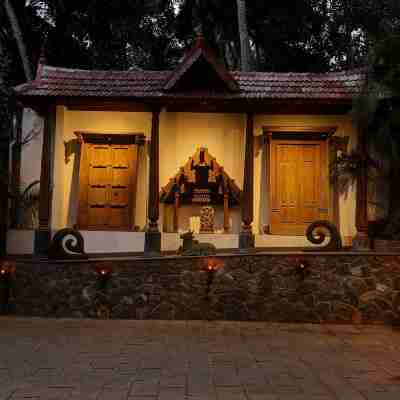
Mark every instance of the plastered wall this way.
pixel 32 150
pixel 180 135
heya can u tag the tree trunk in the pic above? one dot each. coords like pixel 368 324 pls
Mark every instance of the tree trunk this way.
pixel 19 39
pixel 243 35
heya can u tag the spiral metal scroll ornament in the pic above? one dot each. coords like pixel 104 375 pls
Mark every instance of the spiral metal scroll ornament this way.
pixel 67 243
pixel 317 232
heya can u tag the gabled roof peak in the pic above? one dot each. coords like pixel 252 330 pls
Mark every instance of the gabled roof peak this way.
pixel 202 53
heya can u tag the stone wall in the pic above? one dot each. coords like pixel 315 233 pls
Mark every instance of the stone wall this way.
pixel 290 288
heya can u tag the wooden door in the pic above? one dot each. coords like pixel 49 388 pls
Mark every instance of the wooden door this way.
pixel 298 185
pixel 107 185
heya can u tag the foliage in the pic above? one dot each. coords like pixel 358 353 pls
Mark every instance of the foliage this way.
pixel 27 203
pixel 376 112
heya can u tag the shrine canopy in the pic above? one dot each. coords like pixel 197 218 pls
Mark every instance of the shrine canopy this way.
pixel 201 181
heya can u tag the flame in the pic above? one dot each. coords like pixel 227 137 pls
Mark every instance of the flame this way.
pixel 213 264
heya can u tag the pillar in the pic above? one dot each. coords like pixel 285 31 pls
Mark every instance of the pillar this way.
pixel 152 246
pixel 246 237
pixel 43 232
pixel 361 241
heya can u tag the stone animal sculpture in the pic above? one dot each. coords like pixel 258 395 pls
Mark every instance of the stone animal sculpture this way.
pixel 316 233
pixel 191 247
pixel 67 243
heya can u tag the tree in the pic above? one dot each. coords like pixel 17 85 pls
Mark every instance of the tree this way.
pixel 377 113
pixel 19 39
pixel 244 36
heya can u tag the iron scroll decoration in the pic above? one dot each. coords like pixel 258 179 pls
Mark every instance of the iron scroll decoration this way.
pixel 316 233
pixel 67 243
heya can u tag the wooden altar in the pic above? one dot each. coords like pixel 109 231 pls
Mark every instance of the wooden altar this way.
pixel 201 181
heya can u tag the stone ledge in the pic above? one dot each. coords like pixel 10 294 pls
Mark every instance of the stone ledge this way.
pixel 290 287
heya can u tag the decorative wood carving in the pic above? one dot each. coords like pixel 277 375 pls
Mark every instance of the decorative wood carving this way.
pixel 201 180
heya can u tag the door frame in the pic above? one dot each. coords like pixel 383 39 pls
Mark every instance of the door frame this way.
pixel 300 135
pixel 89 138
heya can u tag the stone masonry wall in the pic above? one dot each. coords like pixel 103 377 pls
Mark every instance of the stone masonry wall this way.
pixel 286 288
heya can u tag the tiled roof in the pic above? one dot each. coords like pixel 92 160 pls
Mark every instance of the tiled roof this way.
pixel 62 82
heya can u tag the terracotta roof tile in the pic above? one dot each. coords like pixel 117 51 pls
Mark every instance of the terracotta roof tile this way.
pixel 62 82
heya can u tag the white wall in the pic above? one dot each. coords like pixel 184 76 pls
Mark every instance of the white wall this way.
pixel 20 241
pixel 32 151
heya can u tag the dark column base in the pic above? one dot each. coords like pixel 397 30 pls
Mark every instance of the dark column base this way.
pixel 152 244
pixel 246 241
pixel 361 242
pixel 42 242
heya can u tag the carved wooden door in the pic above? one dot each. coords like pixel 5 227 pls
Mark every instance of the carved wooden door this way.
pixel 298 185
pixel 107 185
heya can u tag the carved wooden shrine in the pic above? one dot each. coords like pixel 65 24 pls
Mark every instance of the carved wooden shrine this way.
pixel 201 181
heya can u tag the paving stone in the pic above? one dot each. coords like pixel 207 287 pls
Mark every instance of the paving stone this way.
pixel 159 360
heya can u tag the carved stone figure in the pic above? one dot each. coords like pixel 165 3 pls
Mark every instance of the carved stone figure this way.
pixel 207 214
pixel 191 247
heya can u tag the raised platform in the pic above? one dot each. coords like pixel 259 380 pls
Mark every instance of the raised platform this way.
pixel 20 242
pixel 288 287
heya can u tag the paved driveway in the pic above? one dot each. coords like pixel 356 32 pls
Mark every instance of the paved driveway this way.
pixel 146 360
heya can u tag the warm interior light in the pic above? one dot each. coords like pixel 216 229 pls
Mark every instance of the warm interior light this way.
pixel 2 271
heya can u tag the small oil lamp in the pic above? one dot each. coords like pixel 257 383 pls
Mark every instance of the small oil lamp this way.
pixel 104 272
pixel 303 268
pixel 211 266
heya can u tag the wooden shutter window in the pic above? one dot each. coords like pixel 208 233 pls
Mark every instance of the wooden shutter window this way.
pixel 107 181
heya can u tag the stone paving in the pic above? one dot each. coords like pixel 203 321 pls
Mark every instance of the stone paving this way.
pixel 148 360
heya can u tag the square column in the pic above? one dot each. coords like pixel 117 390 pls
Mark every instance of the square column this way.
pixel 361 241
pixel 152 245
pixel 43 233
pixel 246 237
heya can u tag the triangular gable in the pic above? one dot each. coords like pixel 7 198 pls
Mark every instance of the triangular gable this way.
pixel 200 70
pixel 184 182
